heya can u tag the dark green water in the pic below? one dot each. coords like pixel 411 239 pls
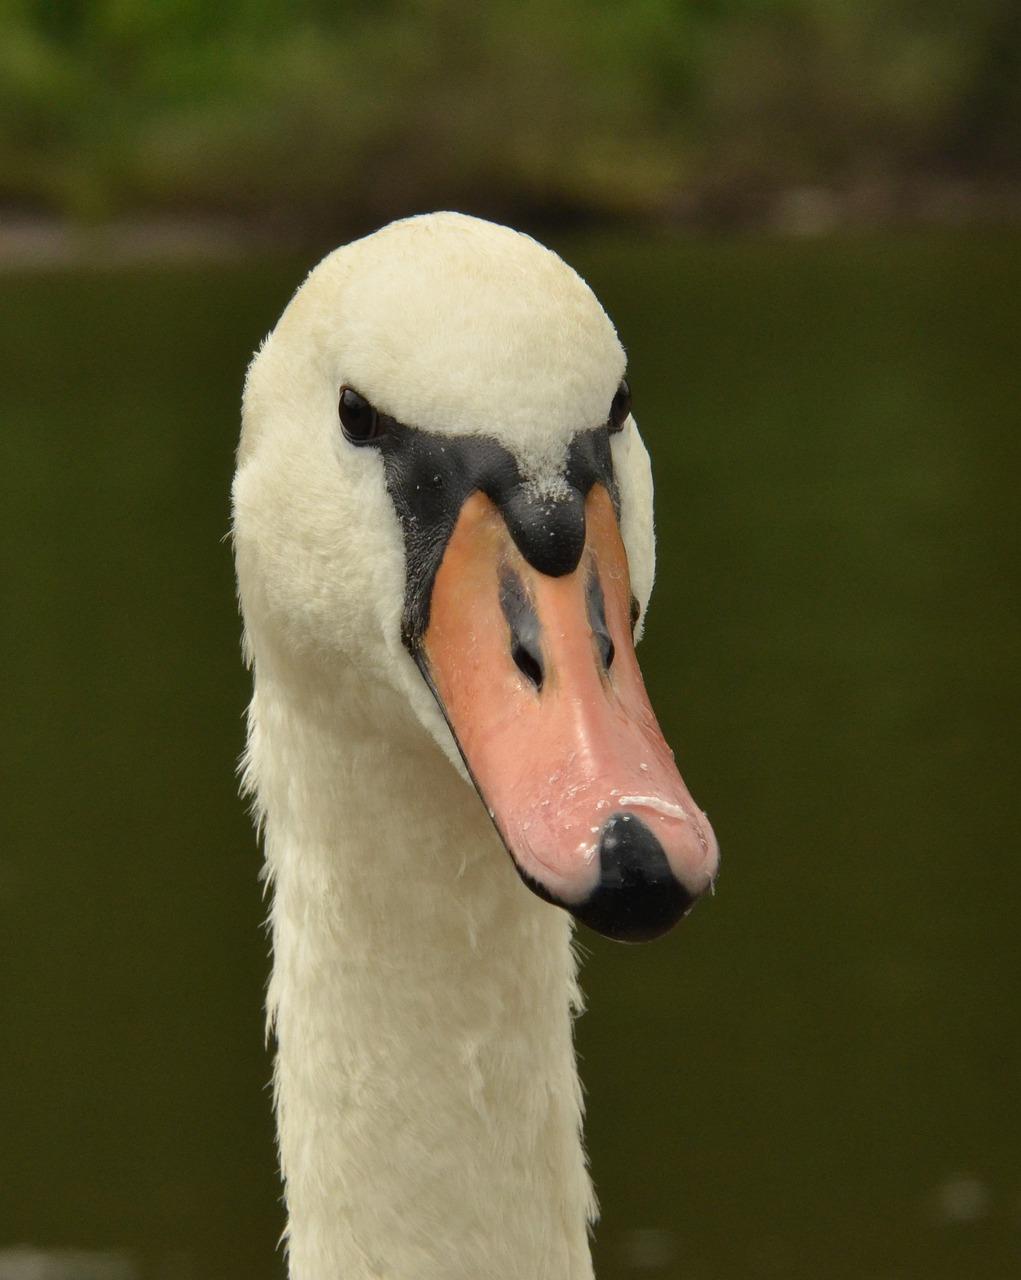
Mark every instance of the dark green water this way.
pixel 818 1074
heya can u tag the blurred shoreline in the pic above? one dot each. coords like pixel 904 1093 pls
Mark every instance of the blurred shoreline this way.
pixel 32 242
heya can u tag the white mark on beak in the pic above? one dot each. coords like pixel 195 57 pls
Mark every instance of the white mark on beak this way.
pixel 655 804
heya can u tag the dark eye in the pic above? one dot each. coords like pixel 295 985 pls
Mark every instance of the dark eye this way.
pixel 359 419
pixel 620 406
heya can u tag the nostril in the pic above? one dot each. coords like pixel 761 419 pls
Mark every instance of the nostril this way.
pixel 608 652
pixel 528 663
pixel 523 623
pixel 597 619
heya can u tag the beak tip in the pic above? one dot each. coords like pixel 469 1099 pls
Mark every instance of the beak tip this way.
pixel 638 897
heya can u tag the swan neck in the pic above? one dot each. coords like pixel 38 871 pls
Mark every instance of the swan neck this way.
pixel 427 1097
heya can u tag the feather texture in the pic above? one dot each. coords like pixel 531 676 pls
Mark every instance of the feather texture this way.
pixel 429 1110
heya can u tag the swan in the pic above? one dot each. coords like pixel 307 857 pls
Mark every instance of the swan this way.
pixel 442 521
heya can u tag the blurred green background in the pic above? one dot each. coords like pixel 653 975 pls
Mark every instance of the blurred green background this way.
pixel 318 114
pixel 802 216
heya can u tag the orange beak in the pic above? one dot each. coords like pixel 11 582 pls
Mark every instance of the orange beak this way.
pixel 538 680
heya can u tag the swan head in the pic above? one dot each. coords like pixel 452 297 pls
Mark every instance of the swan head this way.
pixel 441 489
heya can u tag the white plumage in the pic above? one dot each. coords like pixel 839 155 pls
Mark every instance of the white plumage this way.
pixel 428 1103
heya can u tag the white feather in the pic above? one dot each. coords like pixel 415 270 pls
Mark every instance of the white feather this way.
pixel 429 1109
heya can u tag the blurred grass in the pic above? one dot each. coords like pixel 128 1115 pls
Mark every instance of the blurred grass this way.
pixel 335 115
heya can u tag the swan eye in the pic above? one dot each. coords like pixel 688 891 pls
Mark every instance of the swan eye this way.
pixel 620 407
pixel 359 419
